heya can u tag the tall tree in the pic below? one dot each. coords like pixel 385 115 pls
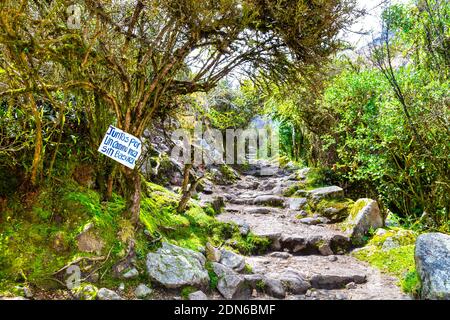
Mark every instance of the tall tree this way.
pixel 135 55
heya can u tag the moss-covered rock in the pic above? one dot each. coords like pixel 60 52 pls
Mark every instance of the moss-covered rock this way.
pixel 334 209
pixel 85 291
pixel 364 217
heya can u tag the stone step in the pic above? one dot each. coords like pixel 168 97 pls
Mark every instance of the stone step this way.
pixel 329 277
pixel 296 238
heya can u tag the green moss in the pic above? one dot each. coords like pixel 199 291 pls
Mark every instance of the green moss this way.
pixel 401 236
pixel 186 291
pixel 357 207
pixel 228 174
pixel 213 278
pixel 85 291
pixel 249 244
pixel 316 178
pixel 341 208
pixel 289 192
pixel 260 285
pixel 397 261
pixel 247 269
pixel 39 239
pixel 411 283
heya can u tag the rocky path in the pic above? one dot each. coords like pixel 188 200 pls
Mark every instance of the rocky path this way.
pixel 309 256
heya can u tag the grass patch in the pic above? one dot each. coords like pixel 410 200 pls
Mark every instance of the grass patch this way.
pixel 213 278
pixel 398 261
pixel 39 237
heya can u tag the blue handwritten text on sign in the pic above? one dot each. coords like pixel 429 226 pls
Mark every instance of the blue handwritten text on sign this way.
pixel 121 146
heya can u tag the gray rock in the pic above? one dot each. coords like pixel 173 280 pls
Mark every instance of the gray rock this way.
pixel 323 220
pixel 332 258
pixel 335 281
pixel 296 203
pixel 25 291
pixel 232 260
pixel 432 255
pixel 216 202
pixel 85 292
pixel 197 295
pixel 282 255
pixel 380 232
pixel 258 210
pixel 89 241
pixel 233 286
pixel 294 282
pixel 336 214
pixel 244 228
pixel 130 274
pixel 220 270
pixel 294 243
pixel 269 200
pixel 274 288
pixel 350 285
pixel 175 267
pixel 236 200
pixel 390 243
pixel 357 225
pixel 121 286
pixel 273 236
pixel 326 192
pixel 142 291
pixel 254 280
pixel 325 249
pixel 302 173
pixel 277 190
pixel 309 221
pixel 106 294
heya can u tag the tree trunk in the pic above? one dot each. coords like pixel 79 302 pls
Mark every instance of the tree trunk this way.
pixel 38 141
pixel 185 194
pixel 132 191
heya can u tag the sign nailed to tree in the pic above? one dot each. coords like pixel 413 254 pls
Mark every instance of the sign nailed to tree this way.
pixel 121 146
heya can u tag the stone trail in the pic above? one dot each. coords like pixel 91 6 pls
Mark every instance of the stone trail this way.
pixel 308 258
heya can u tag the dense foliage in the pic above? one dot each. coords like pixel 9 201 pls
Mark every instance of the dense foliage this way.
pixel 382 123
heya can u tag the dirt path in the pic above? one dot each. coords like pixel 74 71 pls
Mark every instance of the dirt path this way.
pixel 317 253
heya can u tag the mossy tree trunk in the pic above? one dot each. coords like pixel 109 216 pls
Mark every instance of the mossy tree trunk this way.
pixel 132 192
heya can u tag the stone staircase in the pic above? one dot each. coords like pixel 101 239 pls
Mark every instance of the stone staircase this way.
pixel 308 258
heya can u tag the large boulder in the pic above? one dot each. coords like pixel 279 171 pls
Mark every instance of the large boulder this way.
pixel 432 255
pixel 365 215
pixel 175 267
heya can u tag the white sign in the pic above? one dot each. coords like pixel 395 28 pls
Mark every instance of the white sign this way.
pixel 121 146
